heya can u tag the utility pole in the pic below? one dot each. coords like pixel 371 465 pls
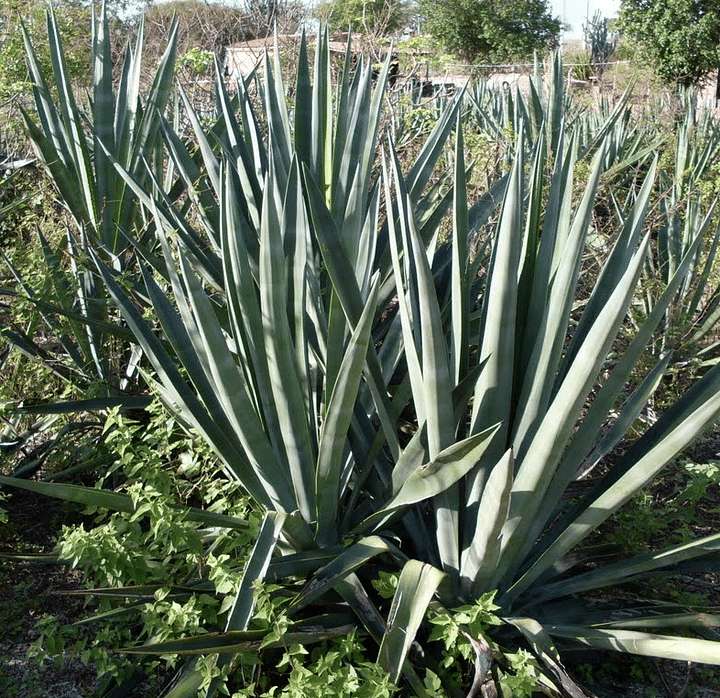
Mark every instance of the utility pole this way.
pixel 587 21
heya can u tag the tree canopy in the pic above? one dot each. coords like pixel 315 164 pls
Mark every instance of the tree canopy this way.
pixel 208 26
pixel 73 19
pixel 367 16
pixel 491 29
pixel 681 38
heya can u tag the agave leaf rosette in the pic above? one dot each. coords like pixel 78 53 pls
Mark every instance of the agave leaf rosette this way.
pixel 546 108
pixel 550 380
pixel 501 432
pixel 77 144
pixel 73 144
pixel 309 309
pixel 301 440
pixel 274 346
pixel 693 314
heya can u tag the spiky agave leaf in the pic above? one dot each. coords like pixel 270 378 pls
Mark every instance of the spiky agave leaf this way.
pixel 542 382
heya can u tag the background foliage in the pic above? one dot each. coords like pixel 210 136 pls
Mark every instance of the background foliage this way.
pixel 378 18
pixel 491 31
pixel 679 37
pixel 74 19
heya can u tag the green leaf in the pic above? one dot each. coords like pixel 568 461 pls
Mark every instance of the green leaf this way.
pixel 434 477
pixel 342 566
pixel 186 682
pixel 493 390
pixel 125 402
pixel 673 432
pixel 631 569
pixel 417 585
pixel 685 649
pixel 480 556
pixel 115 501
pixel 254 571
pixel 333 434
pixel 315 629
pixel 422 323
pixel 286 371
pixel 545 650
pixel 537 468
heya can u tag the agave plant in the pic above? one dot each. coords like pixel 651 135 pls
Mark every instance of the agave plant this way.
pixel 506 524
pixel 77 147
pixel 274 316
pixel 694 312
pixel 123 126
pixel 314 321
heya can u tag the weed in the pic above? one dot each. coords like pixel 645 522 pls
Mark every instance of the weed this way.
pixel 154 546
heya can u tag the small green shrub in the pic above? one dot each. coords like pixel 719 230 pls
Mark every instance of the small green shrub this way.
pixel 680 505
pixel 581 66
pixel 155 548
pixel 198 59
pixel 465 636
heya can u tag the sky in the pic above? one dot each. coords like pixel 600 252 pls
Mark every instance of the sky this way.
pixel 574 12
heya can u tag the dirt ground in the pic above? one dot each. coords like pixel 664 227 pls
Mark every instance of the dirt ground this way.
pixel 30 589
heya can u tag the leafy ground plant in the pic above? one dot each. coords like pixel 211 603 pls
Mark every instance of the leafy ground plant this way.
pixel 391 403
pixel 154 545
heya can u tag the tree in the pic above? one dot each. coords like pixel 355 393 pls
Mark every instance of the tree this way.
pixel 681 38
pixel 15 86
pixel 72 19
pixel 264 16
pixel 207 26
pixel 213 26
pixel 376 17
pixel 491 29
